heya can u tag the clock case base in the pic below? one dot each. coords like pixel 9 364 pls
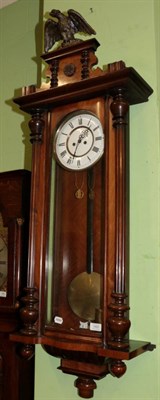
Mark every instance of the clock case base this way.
pixel 72 82
pixel 88 365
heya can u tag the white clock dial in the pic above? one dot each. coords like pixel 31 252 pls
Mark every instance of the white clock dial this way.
pixel 79 141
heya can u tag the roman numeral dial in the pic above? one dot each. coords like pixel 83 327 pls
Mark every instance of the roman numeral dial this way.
pixel 79 141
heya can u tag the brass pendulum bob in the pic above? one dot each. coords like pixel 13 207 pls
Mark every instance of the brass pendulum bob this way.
pixel 84 291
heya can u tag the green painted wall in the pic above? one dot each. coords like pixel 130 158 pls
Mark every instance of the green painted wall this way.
pixel 19 24
pixel 127 30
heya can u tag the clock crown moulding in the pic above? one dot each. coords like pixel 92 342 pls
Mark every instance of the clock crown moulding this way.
pixel 73 66
pixel 80 126
pixel 73 59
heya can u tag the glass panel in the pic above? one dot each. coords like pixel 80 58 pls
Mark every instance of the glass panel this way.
pixel 3 258
pixel 75 262
pixel 50 244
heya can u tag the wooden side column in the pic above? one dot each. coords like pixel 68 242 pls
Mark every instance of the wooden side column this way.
pixel 30 312
pixel 118 322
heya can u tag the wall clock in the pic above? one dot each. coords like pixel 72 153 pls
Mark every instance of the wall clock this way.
pixel 75 303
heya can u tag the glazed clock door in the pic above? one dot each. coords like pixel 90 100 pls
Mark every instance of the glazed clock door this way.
pixel 77 209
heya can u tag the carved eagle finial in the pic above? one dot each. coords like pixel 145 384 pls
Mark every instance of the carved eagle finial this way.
pixel 65 28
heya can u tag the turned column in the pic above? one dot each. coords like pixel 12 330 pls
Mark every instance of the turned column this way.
pixel 118 321
pixel 29 312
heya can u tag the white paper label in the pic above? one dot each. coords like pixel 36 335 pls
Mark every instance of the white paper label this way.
pixel 58 320
pixel 95 327
pixel 83 325
pixel 3 294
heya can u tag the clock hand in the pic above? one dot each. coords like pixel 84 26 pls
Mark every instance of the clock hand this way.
pixel 81 136
pixel 78 142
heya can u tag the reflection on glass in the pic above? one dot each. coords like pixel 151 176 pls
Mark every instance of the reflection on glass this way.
pixel 50 245
pixel 3 258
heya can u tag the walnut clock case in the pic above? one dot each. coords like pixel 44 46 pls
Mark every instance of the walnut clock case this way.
pixel 76 302
pixel 16 376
